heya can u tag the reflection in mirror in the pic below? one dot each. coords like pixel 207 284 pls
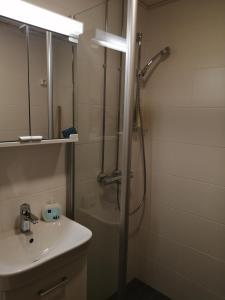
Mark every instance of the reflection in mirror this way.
pixel 38 83
pixel 14 105
pixel 63 84
pixel 63 89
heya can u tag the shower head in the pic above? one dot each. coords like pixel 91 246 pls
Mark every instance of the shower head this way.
pixel 162 55
pixel 165 52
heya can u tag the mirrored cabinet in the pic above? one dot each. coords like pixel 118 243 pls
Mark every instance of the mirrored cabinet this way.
pixel 14 103
pixel 37 84
pixel 63 85
pixel 38 87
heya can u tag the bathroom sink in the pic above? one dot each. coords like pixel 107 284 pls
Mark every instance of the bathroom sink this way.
pixel 21 252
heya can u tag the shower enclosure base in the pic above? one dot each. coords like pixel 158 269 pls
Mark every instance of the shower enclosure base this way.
pixel 137 290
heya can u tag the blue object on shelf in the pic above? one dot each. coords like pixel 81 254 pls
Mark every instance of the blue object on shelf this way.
pixel 68 131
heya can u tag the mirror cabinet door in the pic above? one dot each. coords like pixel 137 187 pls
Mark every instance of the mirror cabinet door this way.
pixel 14 102
pixel 38 83
pixel 64 55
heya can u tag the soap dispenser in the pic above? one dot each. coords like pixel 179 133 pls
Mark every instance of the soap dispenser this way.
pixel 51 211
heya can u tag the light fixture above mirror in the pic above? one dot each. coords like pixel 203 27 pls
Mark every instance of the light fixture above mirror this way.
pixel 36 16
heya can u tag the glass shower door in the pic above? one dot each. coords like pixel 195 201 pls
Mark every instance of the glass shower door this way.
pixel 97 180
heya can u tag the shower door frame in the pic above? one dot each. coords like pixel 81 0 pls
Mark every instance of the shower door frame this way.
pixel 126 46
pixel 132 6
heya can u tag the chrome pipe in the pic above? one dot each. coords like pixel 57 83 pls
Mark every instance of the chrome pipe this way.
pixel 49 52
pixel 126 143
pixel 119 93
pixel 117 170
pixel 102 174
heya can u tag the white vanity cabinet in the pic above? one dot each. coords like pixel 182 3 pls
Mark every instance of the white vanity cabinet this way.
pixel 49 265
pixel 65 283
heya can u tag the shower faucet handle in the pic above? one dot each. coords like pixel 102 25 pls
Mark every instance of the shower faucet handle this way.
pixel 115 177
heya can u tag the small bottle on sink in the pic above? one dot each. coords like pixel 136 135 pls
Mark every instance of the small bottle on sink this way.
pixel 51 212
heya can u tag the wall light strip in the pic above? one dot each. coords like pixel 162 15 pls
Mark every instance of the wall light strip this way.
pixel 39 17
pixel 110 40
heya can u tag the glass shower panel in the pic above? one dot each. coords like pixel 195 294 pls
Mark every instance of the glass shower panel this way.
pixel 96 155
pixel 116 15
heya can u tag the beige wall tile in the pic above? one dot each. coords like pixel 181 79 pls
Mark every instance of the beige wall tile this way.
pixel 173 284
pixel 193 161
pixel 209 87
pixel 202 126
pixel 202 199
pixel 190 230
pixel 31 170
pixel 193 265
pixel 181 241
pixel 30 174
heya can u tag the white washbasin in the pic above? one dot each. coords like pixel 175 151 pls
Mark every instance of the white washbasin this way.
pixel 19 254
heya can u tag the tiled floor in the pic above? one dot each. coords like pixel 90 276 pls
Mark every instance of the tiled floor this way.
pixel 137 290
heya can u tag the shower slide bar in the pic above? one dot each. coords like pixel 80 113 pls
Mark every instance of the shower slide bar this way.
pixel 118 43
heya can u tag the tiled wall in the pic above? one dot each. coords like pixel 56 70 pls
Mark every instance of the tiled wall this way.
pixel 32 174
pixel 181 245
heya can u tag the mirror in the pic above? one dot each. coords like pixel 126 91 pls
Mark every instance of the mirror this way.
pixel 14 102
pixel 63 88
pixel 38 83
pixel 24 84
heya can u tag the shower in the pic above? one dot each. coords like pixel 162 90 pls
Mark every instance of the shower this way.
pixel 163 54
pixel 142 75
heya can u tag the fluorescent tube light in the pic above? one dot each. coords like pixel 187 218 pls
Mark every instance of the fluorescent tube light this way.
pixel 110 40
pixel 39 17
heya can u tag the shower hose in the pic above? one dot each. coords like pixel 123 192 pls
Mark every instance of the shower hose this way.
pixel 142 139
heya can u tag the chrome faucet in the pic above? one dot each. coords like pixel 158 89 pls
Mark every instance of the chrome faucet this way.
pixel 115 177
pixel 26 217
